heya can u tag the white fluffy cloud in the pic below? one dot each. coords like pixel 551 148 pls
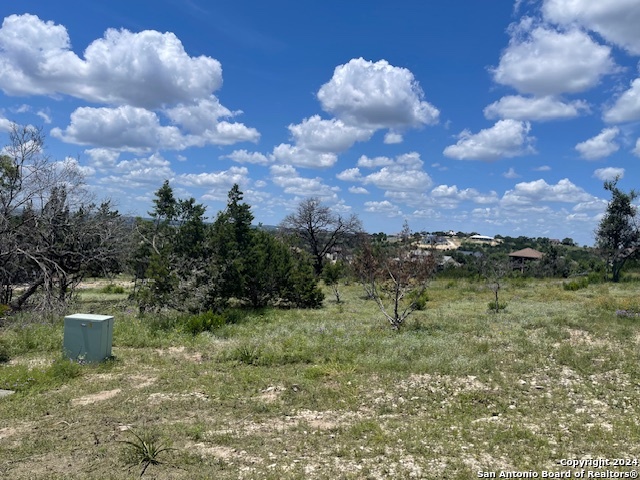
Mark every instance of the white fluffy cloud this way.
pixel 332 136
pixel 542 61
pixel 126 128
pixel 358 190
pixel 608 173
pixel 147 69
pixel 507 138
pixel 375 162
pixel 302 157
pixel 221 180
pixel 391 138
pixel 626 107
pixel 384 207
pixel 376 95
pixel 600 146
pixel 243 156
pixel 287 178
pixel 404 174
pixel 539 191
pixel 139 173
pixel 130 128
pixel 349 175
pixel 539 109
pixel 102 158
pixel 135 74
pixel 511 173
pixel 616 20
pixel 451 196
pixel 636 151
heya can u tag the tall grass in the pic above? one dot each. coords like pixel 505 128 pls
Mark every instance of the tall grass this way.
pixel 334 392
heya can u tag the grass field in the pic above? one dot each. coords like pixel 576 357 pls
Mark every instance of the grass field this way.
pixel 333 393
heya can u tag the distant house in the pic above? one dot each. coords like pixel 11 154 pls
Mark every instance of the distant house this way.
pixel 484 240
pixel 520 258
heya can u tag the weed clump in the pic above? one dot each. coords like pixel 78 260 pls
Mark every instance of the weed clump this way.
pixel 203 322
pixel 577 284
pixel 112 289
pixel 144 450
pixel 496 306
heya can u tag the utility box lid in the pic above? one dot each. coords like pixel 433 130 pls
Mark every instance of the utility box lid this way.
pixel 88 337
pixel 89 316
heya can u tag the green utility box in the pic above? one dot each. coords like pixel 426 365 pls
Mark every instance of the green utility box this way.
pixel 88 337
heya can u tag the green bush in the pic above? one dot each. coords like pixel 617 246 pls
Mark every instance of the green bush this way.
pixel 419 299
pixel 112 289
pixel 577 284
pixel 63 369
pixel 5 354
pixel 204 322
pixel 492 306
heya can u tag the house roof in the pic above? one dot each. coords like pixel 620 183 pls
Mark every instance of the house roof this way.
pixel 527 253
pixel 480 237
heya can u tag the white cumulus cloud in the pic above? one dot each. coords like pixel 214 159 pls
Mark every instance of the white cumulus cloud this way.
pixel 147 69
pixel 507 138
pixel 391 138
pixel 543 61
pixel 600 146
pixel 608 173
pixel 375 162
pixel 287 178
pixel 627 106
pixel 303 157
pixel 384 207
pixel 539 109
pixel 532 194
pixel 403 175
pixel 136 75
pixel 243 156
pixel 616 20
pixel 376 95
pixel 333 136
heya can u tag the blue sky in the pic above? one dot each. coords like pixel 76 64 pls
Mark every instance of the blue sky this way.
pixel 495 117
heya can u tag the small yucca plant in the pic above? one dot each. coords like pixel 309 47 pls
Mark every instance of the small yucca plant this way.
pixel 144 450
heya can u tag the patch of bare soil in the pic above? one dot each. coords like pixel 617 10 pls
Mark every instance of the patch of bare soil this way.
pixel 31 362
pixel 581 337
pixel 271 393
pixel 443 383
pixel 95 397
pixel 142 381
pixel 182 353
pixel 159 397
pixel 224 453
pixel 103 283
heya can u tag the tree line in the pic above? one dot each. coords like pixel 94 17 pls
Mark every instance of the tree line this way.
pixel 53 235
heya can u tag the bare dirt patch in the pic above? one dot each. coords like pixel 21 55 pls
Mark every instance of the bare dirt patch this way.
pixel 581 337
pixel 159 397
pixel 182 353
pixel 95 397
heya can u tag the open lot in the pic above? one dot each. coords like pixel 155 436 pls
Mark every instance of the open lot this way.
pixel 334 393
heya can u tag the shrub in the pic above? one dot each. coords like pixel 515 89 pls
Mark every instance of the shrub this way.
pixel 500 306
pixel 112 289
pixel 303 291
pixel 419 299
pixel 144 450
pixel 204 322
pixel 577 284
pixel 64 369
pixel 5 355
